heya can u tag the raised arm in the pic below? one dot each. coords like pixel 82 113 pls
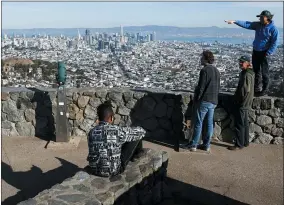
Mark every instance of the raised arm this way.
pixel 244 24
pixel 274 40
pixel 128 134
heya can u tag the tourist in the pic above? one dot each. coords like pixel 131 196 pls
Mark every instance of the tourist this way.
pixel 243 101
pixel 189 123
pixel 111 147
pixel 205 102
pixel 264 45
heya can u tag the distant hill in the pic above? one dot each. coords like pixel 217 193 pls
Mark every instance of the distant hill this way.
pixel 161 31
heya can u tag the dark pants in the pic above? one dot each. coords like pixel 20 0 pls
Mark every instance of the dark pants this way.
pixel 128 151
pixel 242 127
pixel 261 69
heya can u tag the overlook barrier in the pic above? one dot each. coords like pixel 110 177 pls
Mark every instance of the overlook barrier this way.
pixel 31 112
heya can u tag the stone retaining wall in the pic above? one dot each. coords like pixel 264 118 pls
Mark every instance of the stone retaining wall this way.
pixel 161 113
pixel 141 184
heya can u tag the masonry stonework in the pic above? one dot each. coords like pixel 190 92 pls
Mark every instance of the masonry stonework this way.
pixel 142 183
pixel 161 113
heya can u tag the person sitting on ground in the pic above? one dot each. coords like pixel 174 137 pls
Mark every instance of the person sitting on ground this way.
pixel 111 147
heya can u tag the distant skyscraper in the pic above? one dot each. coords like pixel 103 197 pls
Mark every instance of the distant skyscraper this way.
pixel 101 45
pixel 105 36
pixel 151 37
pixel 70 44
pixel 154 36
pixel 79 36
pixel 121 34
pixel 87 32
pixel 137 36
pixel 116 44
pixel 88 37
pixel 121 30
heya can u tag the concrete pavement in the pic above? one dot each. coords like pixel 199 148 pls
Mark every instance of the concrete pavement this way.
pixel 250 176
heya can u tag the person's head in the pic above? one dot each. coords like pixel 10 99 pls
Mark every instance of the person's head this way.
pixel 105 112
pixel 244 62
pixel 265 17
pixel 207 57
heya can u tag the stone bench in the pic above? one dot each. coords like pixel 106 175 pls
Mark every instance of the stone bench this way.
pixel 141 184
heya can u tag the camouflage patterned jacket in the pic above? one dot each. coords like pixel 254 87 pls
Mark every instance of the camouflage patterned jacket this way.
pixel 105 142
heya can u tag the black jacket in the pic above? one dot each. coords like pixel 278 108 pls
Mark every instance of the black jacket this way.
pixel 245 90
pixel 208 85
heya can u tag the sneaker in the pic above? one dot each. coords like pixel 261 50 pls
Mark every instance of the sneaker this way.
pixel 192 149
pixel 203 147
pixel 234 148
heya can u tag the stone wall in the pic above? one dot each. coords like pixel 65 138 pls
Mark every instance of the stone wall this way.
pixel 142 183
pixel 32 113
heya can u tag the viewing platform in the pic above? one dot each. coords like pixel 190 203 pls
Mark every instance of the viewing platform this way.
pixel 250 176
pixel 253 175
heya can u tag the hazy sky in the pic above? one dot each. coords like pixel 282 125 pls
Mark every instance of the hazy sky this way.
pixel 110 14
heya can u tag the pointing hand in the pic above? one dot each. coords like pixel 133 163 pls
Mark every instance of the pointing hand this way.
pixel 230 21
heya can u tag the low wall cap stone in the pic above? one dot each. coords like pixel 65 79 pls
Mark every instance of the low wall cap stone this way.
pixel 147 172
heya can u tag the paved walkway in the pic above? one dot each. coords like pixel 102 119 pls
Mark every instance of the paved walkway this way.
pixel 251 176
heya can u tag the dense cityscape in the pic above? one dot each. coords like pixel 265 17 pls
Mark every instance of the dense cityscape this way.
pixel 136 60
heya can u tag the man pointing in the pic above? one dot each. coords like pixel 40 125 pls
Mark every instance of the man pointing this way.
pixel 264 45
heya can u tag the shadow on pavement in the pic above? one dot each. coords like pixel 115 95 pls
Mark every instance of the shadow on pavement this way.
pixel 31 182
pixel 180 193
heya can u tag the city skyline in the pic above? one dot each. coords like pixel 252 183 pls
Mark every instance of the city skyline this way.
pixel 113 14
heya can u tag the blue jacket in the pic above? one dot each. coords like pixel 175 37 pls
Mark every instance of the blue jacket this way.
pixel 266 36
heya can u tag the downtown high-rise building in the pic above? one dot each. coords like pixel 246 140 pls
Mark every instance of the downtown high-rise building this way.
pixel 148 37
pixel 121 30
pixel 121 34
pixel 88 37
pixel 101 45
pixel 79 35
pixel 153 36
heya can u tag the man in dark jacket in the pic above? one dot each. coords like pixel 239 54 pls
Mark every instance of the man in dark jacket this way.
pixel 264 45
pixel 205 101
pixel 243 99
